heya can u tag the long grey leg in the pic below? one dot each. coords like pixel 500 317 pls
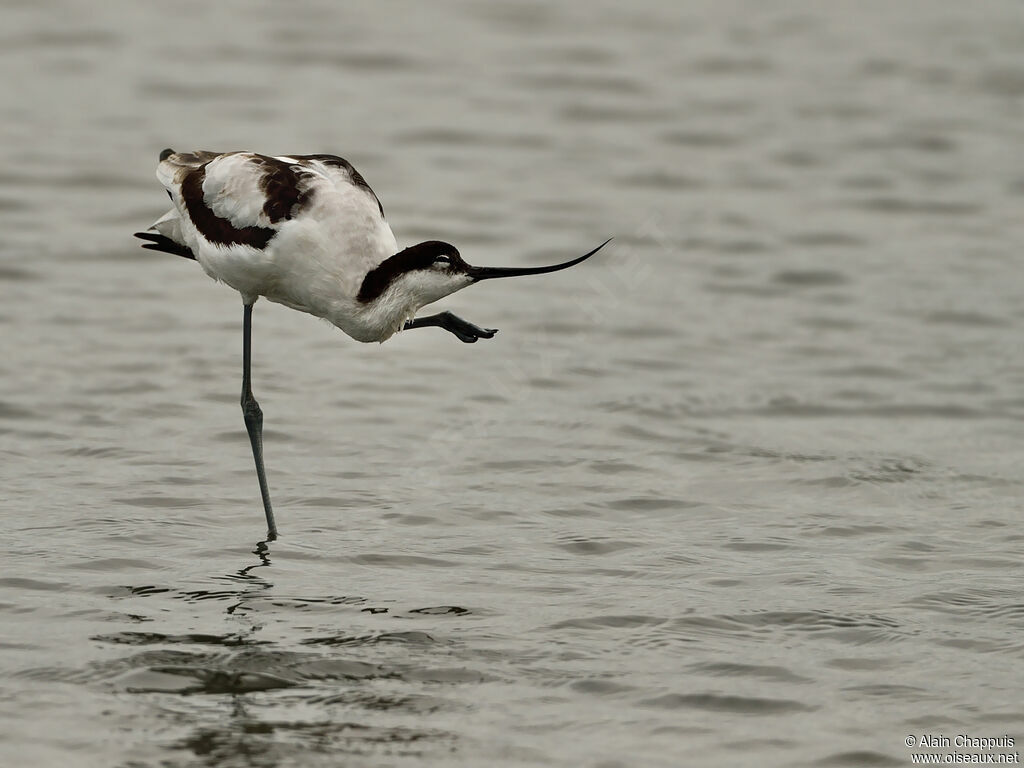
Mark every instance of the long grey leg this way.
pixel 454 324
pixel 254 420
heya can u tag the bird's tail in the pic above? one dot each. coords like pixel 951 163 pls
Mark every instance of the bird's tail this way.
pixel 167 237
pixel 165 244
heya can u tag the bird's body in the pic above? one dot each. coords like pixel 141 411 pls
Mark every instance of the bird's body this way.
pixel 306 231
pixel 302 231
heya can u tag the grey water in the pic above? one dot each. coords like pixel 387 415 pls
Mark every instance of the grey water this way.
pixel 744 489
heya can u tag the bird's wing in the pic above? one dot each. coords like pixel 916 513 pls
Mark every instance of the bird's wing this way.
pixel 231 198
pixel 243 198
pixel 340 173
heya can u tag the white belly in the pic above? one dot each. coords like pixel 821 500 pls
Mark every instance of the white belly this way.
pixel 311 269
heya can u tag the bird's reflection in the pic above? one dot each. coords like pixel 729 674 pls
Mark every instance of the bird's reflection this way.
pixel 252 582
pixel 240 739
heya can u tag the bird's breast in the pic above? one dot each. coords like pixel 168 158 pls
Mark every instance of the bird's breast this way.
pixel 375 321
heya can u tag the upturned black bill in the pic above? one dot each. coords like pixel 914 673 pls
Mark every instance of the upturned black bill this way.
pixel 486 273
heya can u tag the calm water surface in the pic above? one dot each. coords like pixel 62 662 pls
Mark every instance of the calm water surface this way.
pixel 743 490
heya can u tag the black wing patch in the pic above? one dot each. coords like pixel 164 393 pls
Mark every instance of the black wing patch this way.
pixel 213 227
pixel 283 185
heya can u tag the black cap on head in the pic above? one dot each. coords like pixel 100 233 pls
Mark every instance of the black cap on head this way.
pixel 419 256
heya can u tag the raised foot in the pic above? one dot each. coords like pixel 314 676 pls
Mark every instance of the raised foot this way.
pixel 466 331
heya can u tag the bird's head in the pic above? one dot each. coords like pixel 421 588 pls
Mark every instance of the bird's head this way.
pixel 431 270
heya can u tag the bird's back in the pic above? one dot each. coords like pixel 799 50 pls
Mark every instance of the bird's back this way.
pixel 300 230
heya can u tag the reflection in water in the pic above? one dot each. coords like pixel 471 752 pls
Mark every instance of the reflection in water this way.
pixel 254 582
pixel 245 740
pixel 237 669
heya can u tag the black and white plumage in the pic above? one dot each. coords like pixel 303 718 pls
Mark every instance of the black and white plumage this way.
pixel 308 232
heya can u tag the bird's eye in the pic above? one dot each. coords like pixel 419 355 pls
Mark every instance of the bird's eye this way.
pixel 442 260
